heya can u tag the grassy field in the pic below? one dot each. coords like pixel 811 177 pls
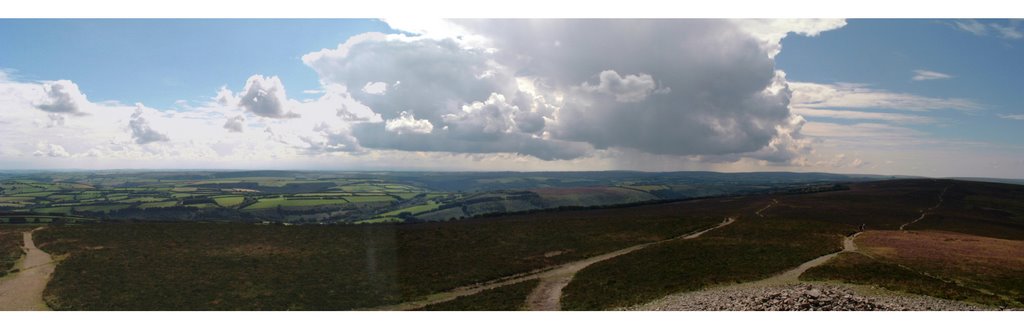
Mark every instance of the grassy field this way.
pixel 429 206
pixel 101 208
pixel 143 197
pixel 267 203
pixel 163 204
pixel 193 266
pixel 52 210
pixel 369 199
pixel 229 201
pixel 381 220
pixel 511 297
pixel 219 196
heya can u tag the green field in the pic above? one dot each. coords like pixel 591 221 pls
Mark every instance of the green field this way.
pixel 429 206
pixel 229 201
pixel 404 195
pixel 325 194
pixel 163 204
pixel 266 203
pixel 381 220
pixel 368 199
pixel 142 200
pixel 100 208
pixel 51 210
pixel 16 199
pixel 340 197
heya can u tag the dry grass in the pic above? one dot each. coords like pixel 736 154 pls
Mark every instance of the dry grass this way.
pixel 252 250
pixel 940 250
pixel 990 265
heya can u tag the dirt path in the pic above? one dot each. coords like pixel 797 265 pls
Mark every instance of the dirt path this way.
pixel 548 293
pixel 695 300
pixel 760 211
pixel 547 296
pixel 793 275
pixel 927 210
pixel 24 289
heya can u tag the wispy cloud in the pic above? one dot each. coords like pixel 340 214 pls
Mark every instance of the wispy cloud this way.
pixel 875 134
pixel 862 96
pixel 1012 116
pixel 1009 30
pixel 971 26
pixel 922 74
pixel 861 115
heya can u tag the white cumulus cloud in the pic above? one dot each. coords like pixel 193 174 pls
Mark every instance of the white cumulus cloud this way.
pixel 235 124
pixel 376 88
pixel 141 131
pixel 62 96
pixel 51 150
pixel 265 97
pixel 407 123
pixel 631 88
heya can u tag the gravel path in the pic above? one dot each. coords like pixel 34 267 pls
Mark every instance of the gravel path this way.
pixel 24 290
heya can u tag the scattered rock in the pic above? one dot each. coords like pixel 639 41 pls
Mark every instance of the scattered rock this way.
pixel 797 297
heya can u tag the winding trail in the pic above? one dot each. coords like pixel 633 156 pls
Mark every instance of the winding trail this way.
pixel 547 294
pixel 793 275
pixel 696 299
pixel 24 290
pixel 926 210
pixel 760 211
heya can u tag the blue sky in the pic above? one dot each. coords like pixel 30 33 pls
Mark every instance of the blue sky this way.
pixel 986 69
pixel 920 97
pixel 159 62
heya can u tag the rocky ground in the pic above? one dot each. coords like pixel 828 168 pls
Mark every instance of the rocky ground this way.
pixel 799 297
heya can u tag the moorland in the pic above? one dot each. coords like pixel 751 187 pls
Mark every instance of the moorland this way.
pixel 941 238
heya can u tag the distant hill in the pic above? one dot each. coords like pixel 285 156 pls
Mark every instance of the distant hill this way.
pixel 996 180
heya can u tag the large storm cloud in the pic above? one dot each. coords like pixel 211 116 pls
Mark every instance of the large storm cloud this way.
pixel 558 89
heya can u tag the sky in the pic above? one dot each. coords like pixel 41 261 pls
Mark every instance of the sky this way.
pixel 921 97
